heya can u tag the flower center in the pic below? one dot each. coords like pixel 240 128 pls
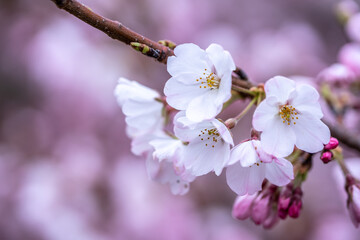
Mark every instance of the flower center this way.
pixel 210 137
pixel 288 114
pixel 209 80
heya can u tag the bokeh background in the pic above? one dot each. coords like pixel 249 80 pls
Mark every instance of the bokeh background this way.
pixel 66 170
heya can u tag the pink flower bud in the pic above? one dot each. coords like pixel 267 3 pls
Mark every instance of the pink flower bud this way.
pixel 333 143
pixel 354 204
pixel 242 206
pixel 326 157
pixel 271 220
pixel 260 209
pixel 295 207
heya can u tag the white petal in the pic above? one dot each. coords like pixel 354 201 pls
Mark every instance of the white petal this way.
pixel 179 95
pixel 311 133
pixel 264 114
pixel 279 139
pixel 203 107
pixel 280 172
pixel 245 153
pixel 189 133
pixel 201 159
pixel 306 99
pixel 126 89
pixel 166 148
pixel 245 180
pixel 188 58
pixel 223 131
pixel 280 87
pixel 224 91
pixel 221 59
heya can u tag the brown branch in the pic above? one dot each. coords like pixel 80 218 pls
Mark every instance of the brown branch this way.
pixel 118 31
pixel 113 29
pixel 344 136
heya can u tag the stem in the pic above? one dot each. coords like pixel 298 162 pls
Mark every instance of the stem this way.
pixel 344 136
pixel 342 165
pixel 238 117
pixel 243 90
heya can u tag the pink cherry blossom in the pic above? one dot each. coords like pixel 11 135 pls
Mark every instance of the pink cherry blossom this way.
pixel 290 115
pixel 251 165
pixel 201 80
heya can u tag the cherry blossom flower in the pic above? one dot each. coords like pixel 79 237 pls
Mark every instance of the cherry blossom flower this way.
pixel 164 165
pixel 353 27
pixel 349 55
pixel 337 73
pixel 290 115
pixel 143 112
pixel 201 80
pixel 208 146
pixel 250 165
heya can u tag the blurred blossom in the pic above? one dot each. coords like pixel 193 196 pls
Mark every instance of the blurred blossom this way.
pixel 349 55
pixel 337 73
pixel 353 27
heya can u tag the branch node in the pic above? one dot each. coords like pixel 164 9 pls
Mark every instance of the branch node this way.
pixel 146 50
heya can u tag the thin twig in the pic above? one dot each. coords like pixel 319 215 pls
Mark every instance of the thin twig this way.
pixel 344 136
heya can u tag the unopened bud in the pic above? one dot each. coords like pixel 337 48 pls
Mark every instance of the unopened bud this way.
pixel 326 156
pixel 230 123
pixel 271 220
pixel 295 207
pixel 242 207
pixel 167 43
pixel 333 143
pixel 260 209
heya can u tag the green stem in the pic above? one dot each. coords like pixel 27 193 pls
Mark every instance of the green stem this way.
pixel 243 90
pixel 238 117
pixel 340 160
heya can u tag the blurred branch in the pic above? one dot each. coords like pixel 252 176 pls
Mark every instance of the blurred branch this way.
pixel 344 136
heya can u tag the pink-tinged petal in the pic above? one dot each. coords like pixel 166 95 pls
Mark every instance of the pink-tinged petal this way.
pixel 245 153
pixel 179 95
pixel 203 107
pixel 280 172
pixel 262 155
pixel 311 133
pixel 280 87
pixel 179 186
pixel 306 99
pixel 279 139
pixel 246 180
pixel 264 114
pixel 221 59
pixel 223 131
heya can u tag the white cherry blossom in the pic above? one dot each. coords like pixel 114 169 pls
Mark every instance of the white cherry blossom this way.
pixel 208 146
pixel 164 165
pixel 250 164
pixel 201 80
pixel 143 112
pixel 290 115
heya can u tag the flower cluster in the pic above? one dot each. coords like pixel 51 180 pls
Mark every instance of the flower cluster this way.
pixel 200 143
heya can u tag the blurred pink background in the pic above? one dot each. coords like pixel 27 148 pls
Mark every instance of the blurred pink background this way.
pixel 66 170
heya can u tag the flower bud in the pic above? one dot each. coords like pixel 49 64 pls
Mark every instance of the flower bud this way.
pixel 271 220
pixel 326 156
pixel 333 143
pixel 242 206
pixel 260 209
pixel 295 207
pixel 354 204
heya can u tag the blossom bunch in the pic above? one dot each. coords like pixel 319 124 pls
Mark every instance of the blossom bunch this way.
pixel 286 120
